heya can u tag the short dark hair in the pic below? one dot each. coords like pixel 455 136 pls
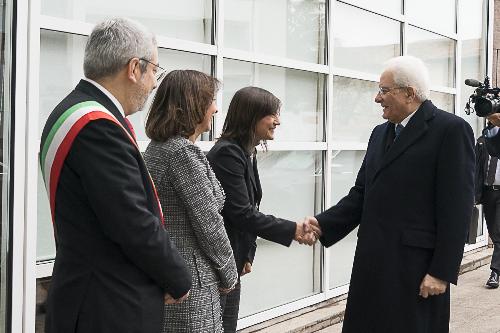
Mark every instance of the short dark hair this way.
pixel 247 107
pixel 180 104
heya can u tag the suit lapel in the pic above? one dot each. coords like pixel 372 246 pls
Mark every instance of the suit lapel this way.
pixel 250 170
pixel 416 127
pixel 258 193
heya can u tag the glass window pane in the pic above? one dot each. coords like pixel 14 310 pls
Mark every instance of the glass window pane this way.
pixel 45 245
pixel 437 52
pixel 300 92
pixel 355 112
pixel 298 28
pixel 298 175
pixel 473 61
pixel 442 16
pixel 182 19
pixel 61 67
pixel 443 101
pixel 357 45
pixel 385 6
pixel 42 288
pixel 344 169
pixel 5 167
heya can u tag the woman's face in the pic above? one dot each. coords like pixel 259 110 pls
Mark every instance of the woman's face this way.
pixel 207 121
pixel 264 130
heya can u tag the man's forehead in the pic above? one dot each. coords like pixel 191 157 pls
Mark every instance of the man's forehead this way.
pixel 386 79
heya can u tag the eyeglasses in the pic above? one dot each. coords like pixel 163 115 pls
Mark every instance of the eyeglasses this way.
pixel 158 71
pixel 385 90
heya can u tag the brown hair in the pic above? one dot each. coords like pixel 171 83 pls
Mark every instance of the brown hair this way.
pixel 247 107
pixel 180 104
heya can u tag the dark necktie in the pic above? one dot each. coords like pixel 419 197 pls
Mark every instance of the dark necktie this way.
pixel 398 130
pixel 131 128
pixel 492 170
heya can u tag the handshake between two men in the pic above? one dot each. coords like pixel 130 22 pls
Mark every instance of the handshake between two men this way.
pixel 307 231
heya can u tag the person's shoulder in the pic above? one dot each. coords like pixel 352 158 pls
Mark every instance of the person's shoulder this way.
pixel 445 117
pixel 170 147
pixel 226 146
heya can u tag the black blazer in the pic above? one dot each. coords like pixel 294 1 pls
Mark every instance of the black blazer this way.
pixel 239 178
pixel 114 260
pixel 413 205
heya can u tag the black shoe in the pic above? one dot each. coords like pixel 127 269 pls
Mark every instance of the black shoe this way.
pixel 492 282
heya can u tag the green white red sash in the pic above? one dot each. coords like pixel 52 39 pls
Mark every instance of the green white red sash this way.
pixel 61 137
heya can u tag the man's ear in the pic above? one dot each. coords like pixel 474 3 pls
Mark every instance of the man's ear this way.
pixel 133 67
pixel 411 93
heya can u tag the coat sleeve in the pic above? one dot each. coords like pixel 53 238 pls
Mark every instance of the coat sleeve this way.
pixel 195 190
pixel 339 220
pixel 108 166
pixel 229 165
pixel 454 193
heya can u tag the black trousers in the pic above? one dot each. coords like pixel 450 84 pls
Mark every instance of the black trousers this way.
pixel 230 306
pixel 491 207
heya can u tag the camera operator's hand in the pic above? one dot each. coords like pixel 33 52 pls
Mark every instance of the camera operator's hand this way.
pixel 494 119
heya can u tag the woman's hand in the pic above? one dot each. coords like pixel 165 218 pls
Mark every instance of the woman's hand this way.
pixel 247 268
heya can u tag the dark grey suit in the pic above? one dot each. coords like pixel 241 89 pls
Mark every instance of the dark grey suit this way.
pixel 192 199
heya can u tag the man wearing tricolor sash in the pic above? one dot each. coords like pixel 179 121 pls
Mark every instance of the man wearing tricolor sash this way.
pixel 115 265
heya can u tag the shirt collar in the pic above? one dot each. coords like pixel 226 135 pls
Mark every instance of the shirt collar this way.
pixel 108 94
pixel 405 121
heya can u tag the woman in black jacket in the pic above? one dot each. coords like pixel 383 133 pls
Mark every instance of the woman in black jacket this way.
pixel 252 117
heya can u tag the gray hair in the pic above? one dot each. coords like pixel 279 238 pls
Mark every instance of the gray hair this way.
pixel 113 43
pixel 408 71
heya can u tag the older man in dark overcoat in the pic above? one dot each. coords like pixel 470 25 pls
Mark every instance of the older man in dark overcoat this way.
pixel 412 202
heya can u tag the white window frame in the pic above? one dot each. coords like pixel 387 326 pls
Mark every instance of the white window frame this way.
pixel 29 24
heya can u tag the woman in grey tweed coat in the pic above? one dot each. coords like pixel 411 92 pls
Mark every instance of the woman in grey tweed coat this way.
pixel 191 197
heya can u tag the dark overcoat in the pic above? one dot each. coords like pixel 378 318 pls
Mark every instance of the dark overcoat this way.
pixel 412 201
pixel 114 259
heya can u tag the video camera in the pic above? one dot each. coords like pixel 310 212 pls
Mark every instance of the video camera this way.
pixel 485 100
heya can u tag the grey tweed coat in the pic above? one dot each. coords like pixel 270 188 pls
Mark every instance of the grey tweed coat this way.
pixel 192 198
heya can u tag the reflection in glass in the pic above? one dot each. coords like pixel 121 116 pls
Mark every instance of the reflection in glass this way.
pixel 442 16
pixel 295 271
pixel 355 112
pixel 61 67
pixel 443 101
pixel 182 19
pixel 45 245
pixel 42 288
pixel 301 93
pixel 384 6
pixel 437 52
pixel 344 169
pixel 5 169
pixel 360 47
pixel 298 28
pixel 473 61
